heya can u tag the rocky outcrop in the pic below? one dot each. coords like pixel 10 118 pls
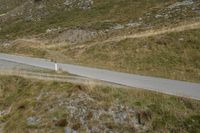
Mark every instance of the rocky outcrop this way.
pixel 81 112
pixel 183 3
pixel 81 4
pixel 76 36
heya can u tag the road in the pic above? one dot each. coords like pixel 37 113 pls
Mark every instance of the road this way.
pixel 173 87
pixel 6 65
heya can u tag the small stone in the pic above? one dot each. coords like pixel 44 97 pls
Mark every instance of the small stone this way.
pixel 143 116
pixel 158 16
pixel 69 130
pixel 32 121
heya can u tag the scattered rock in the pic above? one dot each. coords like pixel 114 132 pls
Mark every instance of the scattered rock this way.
pixel 2 113
pixel 143 116
pixel 158 16
pixel 69 130
pixel 52 30
pixel 118 27
pixel 197 11
pixel 183 3
pixel 181 39
pixel 32 121
pixel 133 24
pixel 81 4
pixel 76 36
pixel 128 25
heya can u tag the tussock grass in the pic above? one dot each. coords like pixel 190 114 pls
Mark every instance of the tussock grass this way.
pixel 23 98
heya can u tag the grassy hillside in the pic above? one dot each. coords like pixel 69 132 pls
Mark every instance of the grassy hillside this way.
pixel 45 106
pixel 31 18
pixel 8 5
pixel 47 29
pixel 173 55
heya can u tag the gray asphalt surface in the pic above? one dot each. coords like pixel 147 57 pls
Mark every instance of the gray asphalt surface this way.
pixel 173 87
pixel 7 65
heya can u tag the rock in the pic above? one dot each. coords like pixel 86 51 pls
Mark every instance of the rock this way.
pixel 183 3
pixel 52 30
pixel 32 121
pixel 197 11
pixel 61 122
pixel 158 16
pixel 76 36
pixel 181 39
pixel 69 130
pixel 128 25
pixel 133 24
pixel 143 116
pixel 2 113
pixel 81 4
pixel 118 27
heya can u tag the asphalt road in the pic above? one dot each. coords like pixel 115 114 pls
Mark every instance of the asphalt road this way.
pixel 7 65
pixel 173 87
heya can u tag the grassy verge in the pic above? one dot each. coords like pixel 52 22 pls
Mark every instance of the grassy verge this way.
pixel 39 106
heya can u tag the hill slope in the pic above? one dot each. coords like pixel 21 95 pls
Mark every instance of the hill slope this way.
pixel 21 17
pixel 157 38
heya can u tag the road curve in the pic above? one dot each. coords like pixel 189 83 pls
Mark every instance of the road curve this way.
pixel 173 87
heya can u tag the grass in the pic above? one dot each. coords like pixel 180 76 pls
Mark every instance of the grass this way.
pixel 24 50
pixel 172 55
pixel 7 5
pixel 103 15
pixel 161 56
pixel 168 113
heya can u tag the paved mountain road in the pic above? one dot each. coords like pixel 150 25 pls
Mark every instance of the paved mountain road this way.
pixel 173 87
